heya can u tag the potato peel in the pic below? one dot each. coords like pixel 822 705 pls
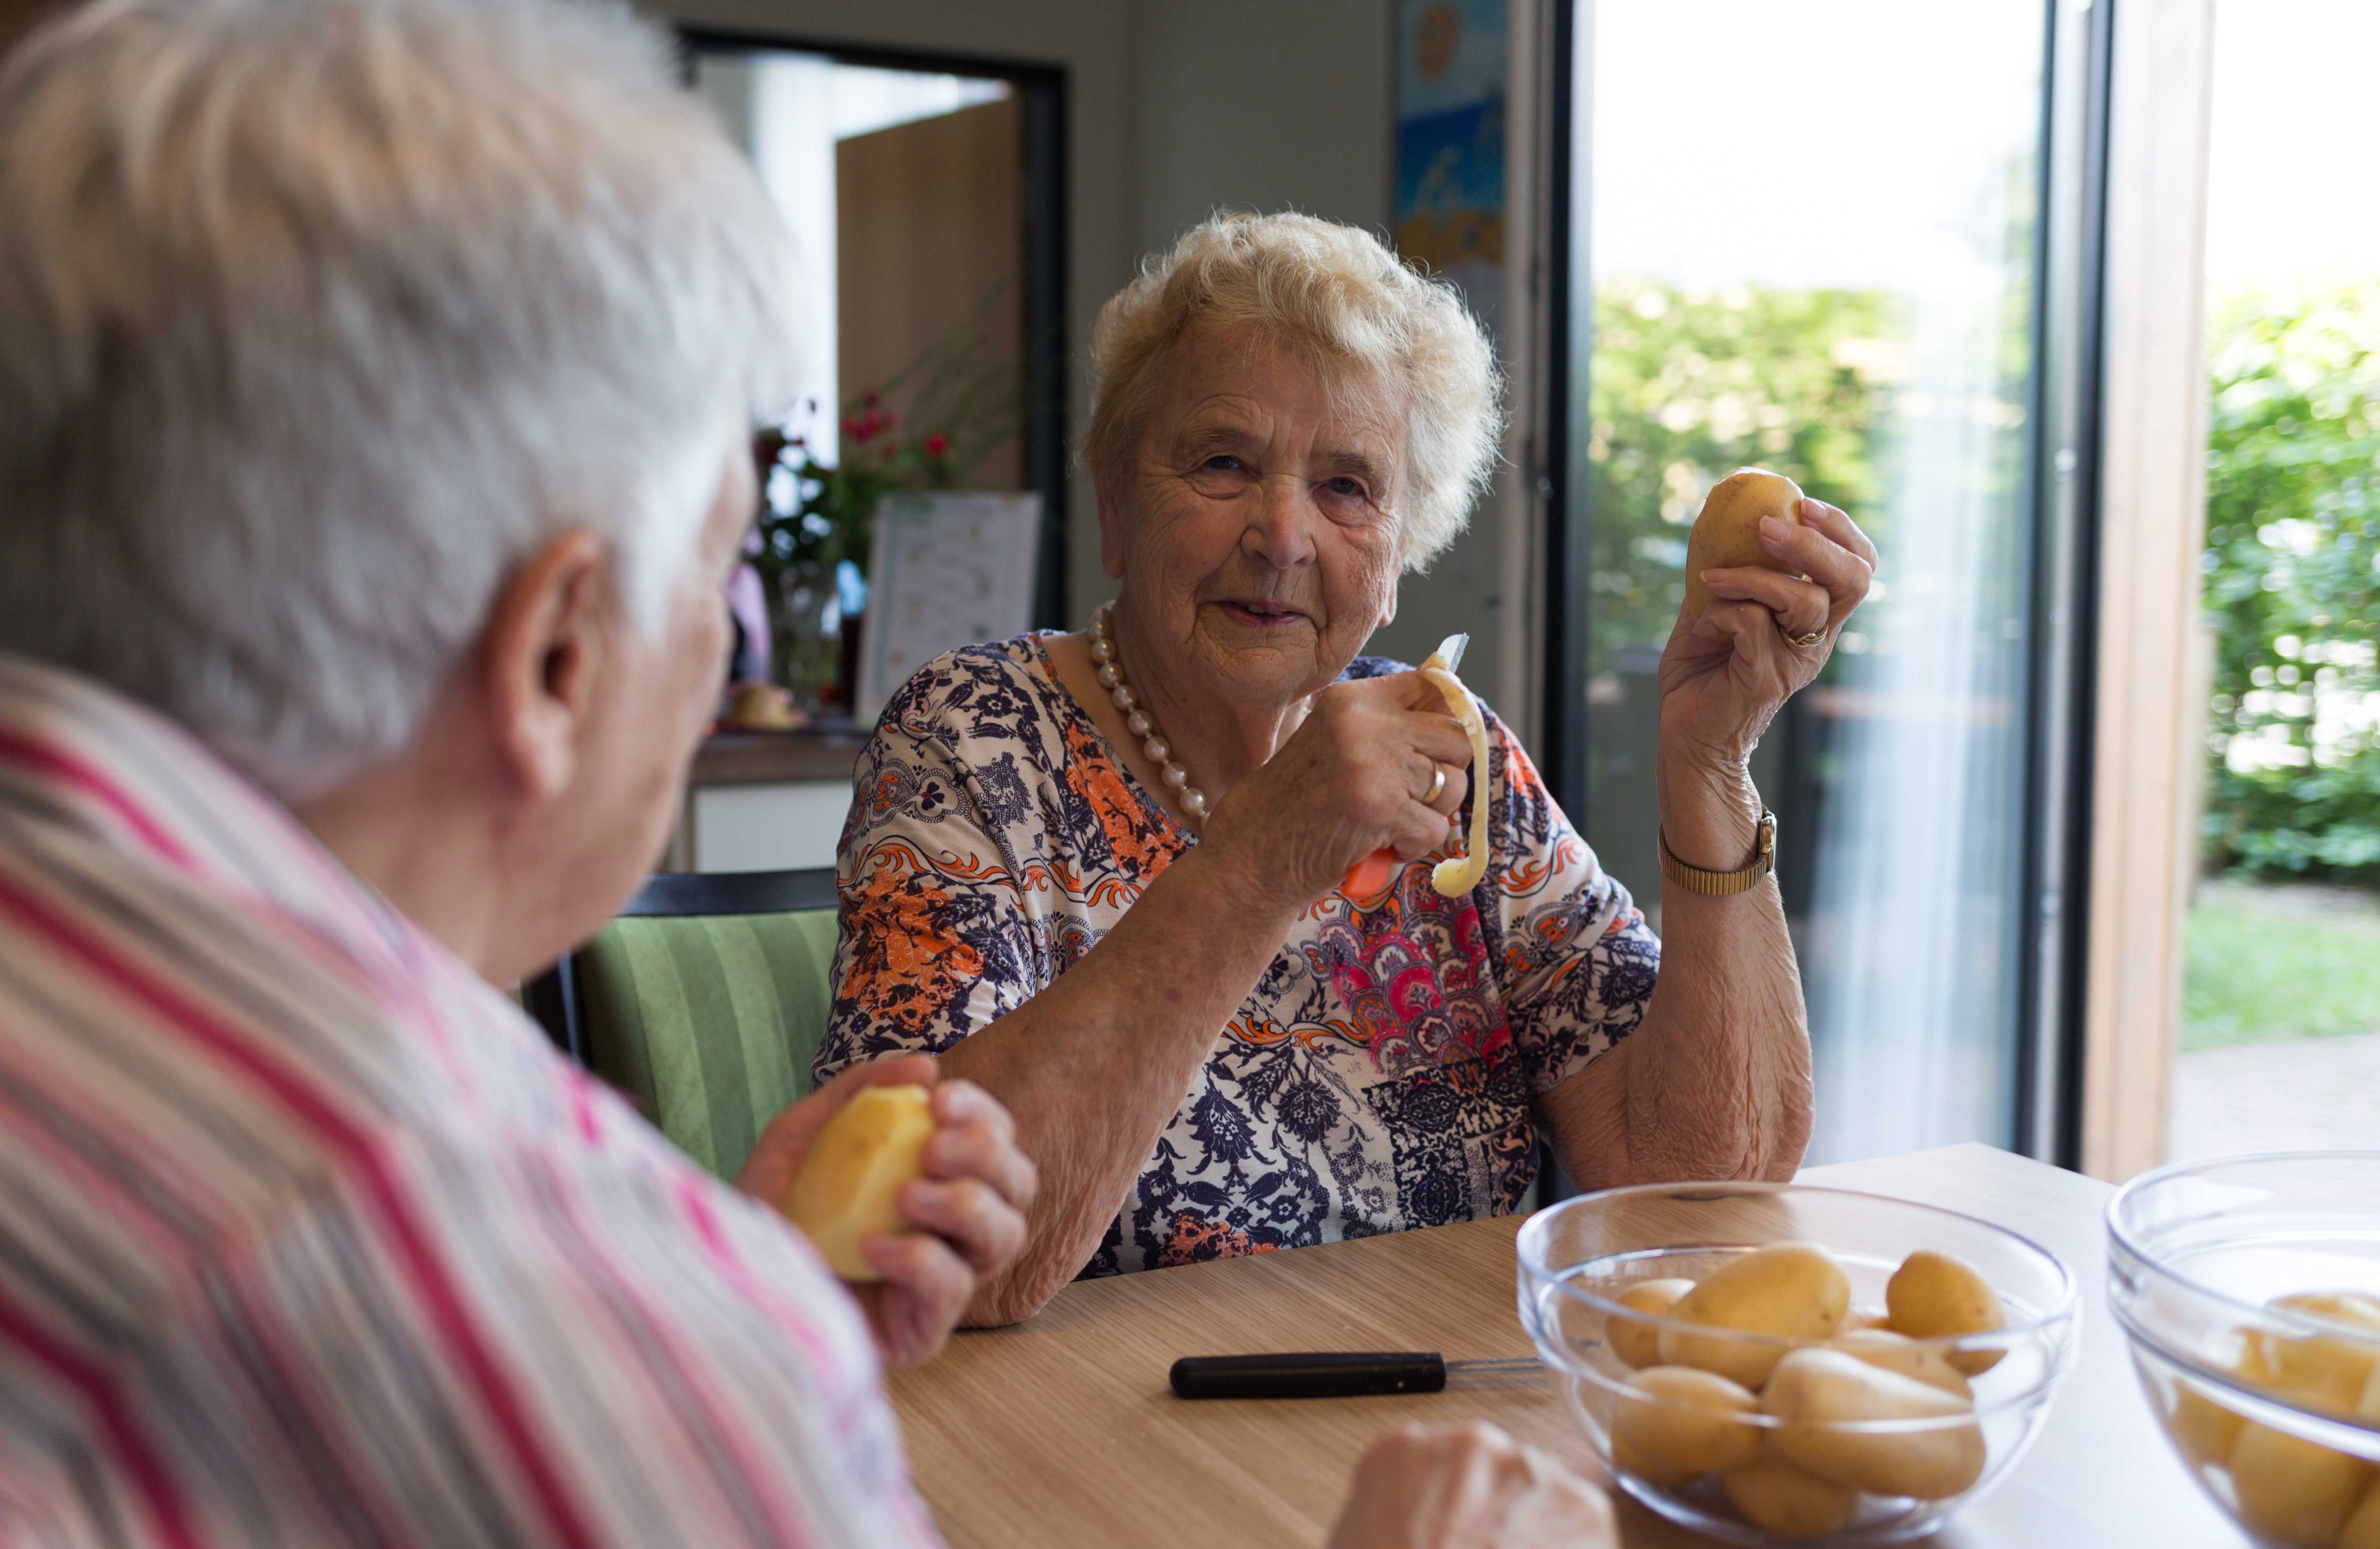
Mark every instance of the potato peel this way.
pixel 1458 876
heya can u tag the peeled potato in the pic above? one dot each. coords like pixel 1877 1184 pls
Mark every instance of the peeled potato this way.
pixel 2363 1528
pixel 1898 1352
pixel 873 1145
pixel 1639 1344
pixel 2293 1491
pixel 2205 1429
pixel 1687 1423
pixel 1786 1499
pixel 1866 1317
pixel 1815 1392
pixel 2329 1370
pixel 1790 1290
pixel 1727 534
pixel 1933 1296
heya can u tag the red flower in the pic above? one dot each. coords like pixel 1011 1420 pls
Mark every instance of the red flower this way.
pixel 890 419
pixel 937 444
pixel 851 428
pixel 871 398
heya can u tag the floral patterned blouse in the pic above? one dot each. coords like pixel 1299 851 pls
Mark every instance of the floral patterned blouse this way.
pixel 1379 1076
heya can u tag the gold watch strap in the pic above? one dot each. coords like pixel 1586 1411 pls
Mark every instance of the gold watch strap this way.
pixel 1724 884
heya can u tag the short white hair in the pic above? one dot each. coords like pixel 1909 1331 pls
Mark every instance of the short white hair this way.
pixel 1339 292
pixel 319 316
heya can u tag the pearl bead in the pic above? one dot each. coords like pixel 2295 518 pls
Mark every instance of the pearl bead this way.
pixel 1125 700
pixel 1176 777
pixel 1194 802
pixel 1102 651
pixel 1158 749
pixel 1107 676
pixel 1140 723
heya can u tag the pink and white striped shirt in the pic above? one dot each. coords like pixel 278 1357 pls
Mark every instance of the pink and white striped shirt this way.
pixel 309 1238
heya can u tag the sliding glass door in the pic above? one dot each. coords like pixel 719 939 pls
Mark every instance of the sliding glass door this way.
pixel 1810 237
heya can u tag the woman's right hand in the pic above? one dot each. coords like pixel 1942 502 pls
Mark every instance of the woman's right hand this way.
pixel 1347 783
pixel 1469 1487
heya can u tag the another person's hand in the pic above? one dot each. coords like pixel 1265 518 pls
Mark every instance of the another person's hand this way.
pixel 1722 687
pixel 1351 781
pixel 1469 1487
pixel 968 1208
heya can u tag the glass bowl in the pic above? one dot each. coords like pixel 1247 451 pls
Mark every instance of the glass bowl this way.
pixel 1578 1258
pixel 2275 1410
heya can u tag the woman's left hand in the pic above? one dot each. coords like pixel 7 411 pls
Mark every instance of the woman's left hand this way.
pixel 1720 687
pixel 967 1210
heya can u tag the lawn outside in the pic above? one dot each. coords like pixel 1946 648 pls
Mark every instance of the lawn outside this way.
pixel 2268 964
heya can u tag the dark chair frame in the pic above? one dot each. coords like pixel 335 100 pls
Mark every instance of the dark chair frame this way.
pixel 552 997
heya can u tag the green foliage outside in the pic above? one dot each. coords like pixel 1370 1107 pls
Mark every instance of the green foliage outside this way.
pixel 2266 963
pixel 2293 583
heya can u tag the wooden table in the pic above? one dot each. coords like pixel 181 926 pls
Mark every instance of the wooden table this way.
pixel 1061 1431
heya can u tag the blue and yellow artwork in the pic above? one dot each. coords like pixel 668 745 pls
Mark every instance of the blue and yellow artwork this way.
pixel 1452 63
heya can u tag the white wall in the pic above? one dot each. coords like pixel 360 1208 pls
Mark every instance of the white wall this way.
pixel 1177 108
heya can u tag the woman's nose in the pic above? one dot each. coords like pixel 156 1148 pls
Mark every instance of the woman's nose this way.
pixel 1278 530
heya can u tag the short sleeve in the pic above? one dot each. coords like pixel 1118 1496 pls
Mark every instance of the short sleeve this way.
pixel 934 939
pixel 1575 960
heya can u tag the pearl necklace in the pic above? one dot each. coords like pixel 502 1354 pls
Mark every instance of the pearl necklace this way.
pixel 1143 726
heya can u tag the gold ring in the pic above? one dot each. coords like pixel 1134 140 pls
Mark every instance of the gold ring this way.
pixel 1805 641
pixel 1437 785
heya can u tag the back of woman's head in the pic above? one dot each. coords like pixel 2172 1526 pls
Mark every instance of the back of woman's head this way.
pixel 318 316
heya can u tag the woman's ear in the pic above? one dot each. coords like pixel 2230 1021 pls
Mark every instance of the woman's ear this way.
pixel 1388 604
pixel 544 659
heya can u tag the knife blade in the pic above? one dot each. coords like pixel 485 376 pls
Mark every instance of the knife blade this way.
pixel 1332 1373
pixel 1451 649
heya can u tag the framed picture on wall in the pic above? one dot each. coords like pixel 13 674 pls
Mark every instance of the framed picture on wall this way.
pixel 1452 66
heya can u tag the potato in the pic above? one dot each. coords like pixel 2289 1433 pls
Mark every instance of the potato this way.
pixel 2363 1528
pixel 1727 534
pixel 1639 1344
pixel 1790 1290
pixel 1687 1424
pixel 873 1145
pixel 1815 1390
pixel 1933 1296
pixel 1898 1352
pixel 2329 1370
pixel 2203 1428
pixel 1866 1317
pixel 1781 1497
pixel 2293 1491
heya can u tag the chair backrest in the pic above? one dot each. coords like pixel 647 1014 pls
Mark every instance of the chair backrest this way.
pixel 704 1001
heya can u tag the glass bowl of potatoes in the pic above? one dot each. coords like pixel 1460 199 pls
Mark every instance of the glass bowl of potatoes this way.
pixel 2250 1289
pixel 1773 1363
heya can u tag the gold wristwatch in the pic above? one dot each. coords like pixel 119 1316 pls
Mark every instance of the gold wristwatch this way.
pixel 1723 884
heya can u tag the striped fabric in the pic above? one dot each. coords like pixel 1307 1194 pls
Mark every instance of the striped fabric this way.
pixel 708 1022
pixel 309 1238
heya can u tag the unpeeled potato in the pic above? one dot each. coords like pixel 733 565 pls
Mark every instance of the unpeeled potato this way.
pixel 1935 1296
pixel 1898 1352
pixel 1685 1423
pixel 1727 534
pixel 1785 1290
pixel 1815 1392
pixel 2292 1491
pixel 874 1144
pixel 1639 1344
pixel 1782 1497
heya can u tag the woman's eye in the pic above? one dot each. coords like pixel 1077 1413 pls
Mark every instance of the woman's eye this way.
pixel 1343 485
pixel 1224 461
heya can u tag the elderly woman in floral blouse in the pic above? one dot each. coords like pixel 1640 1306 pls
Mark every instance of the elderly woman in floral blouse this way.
pixel 1102 874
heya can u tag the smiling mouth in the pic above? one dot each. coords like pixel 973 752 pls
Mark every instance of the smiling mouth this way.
pixel 1257 613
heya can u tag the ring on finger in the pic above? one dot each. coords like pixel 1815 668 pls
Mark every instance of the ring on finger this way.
pixel 1437 785
pixel 1803 641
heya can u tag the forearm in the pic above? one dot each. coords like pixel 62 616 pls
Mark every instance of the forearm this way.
pixel 1715 1082
pixel 1094 1067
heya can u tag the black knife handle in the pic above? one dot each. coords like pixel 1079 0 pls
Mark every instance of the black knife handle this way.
pixel 1320 1375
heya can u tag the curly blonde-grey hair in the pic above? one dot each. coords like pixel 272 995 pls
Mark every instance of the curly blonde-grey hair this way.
pixel 1339 292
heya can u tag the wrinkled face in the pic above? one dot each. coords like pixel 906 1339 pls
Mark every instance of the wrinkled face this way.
pixel 656 702
pixel 1257 529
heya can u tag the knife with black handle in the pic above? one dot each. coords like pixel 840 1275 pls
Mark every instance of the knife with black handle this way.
pixel 1329 1373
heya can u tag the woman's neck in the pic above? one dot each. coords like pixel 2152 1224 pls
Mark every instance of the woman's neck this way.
pixel 1221 742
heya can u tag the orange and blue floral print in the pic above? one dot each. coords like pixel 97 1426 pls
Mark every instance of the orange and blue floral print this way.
pixel 1382 1072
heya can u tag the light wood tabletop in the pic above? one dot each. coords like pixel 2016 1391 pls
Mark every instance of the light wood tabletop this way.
pixel 1061 1431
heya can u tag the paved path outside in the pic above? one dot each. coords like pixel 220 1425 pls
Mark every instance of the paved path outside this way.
pixel 2308 1093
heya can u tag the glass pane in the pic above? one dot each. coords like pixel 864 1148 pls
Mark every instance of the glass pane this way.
pixel 1814 251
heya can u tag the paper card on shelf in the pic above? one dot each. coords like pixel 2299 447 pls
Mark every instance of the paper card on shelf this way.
pixel 946 569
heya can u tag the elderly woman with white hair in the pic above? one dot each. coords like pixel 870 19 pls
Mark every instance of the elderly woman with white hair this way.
pixel 1106 875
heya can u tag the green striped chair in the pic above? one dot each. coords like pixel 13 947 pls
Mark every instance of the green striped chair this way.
pixel 703 1001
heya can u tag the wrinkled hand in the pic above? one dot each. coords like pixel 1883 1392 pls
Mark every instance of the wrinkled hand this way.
pixel 968 1208
pixel 1469 1487
pixel 1720 690
pixel 1348 781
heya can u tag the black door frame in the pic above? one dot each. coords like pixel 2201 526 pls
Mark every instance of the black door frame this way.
pixel 1042 91
pixel 2069 233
